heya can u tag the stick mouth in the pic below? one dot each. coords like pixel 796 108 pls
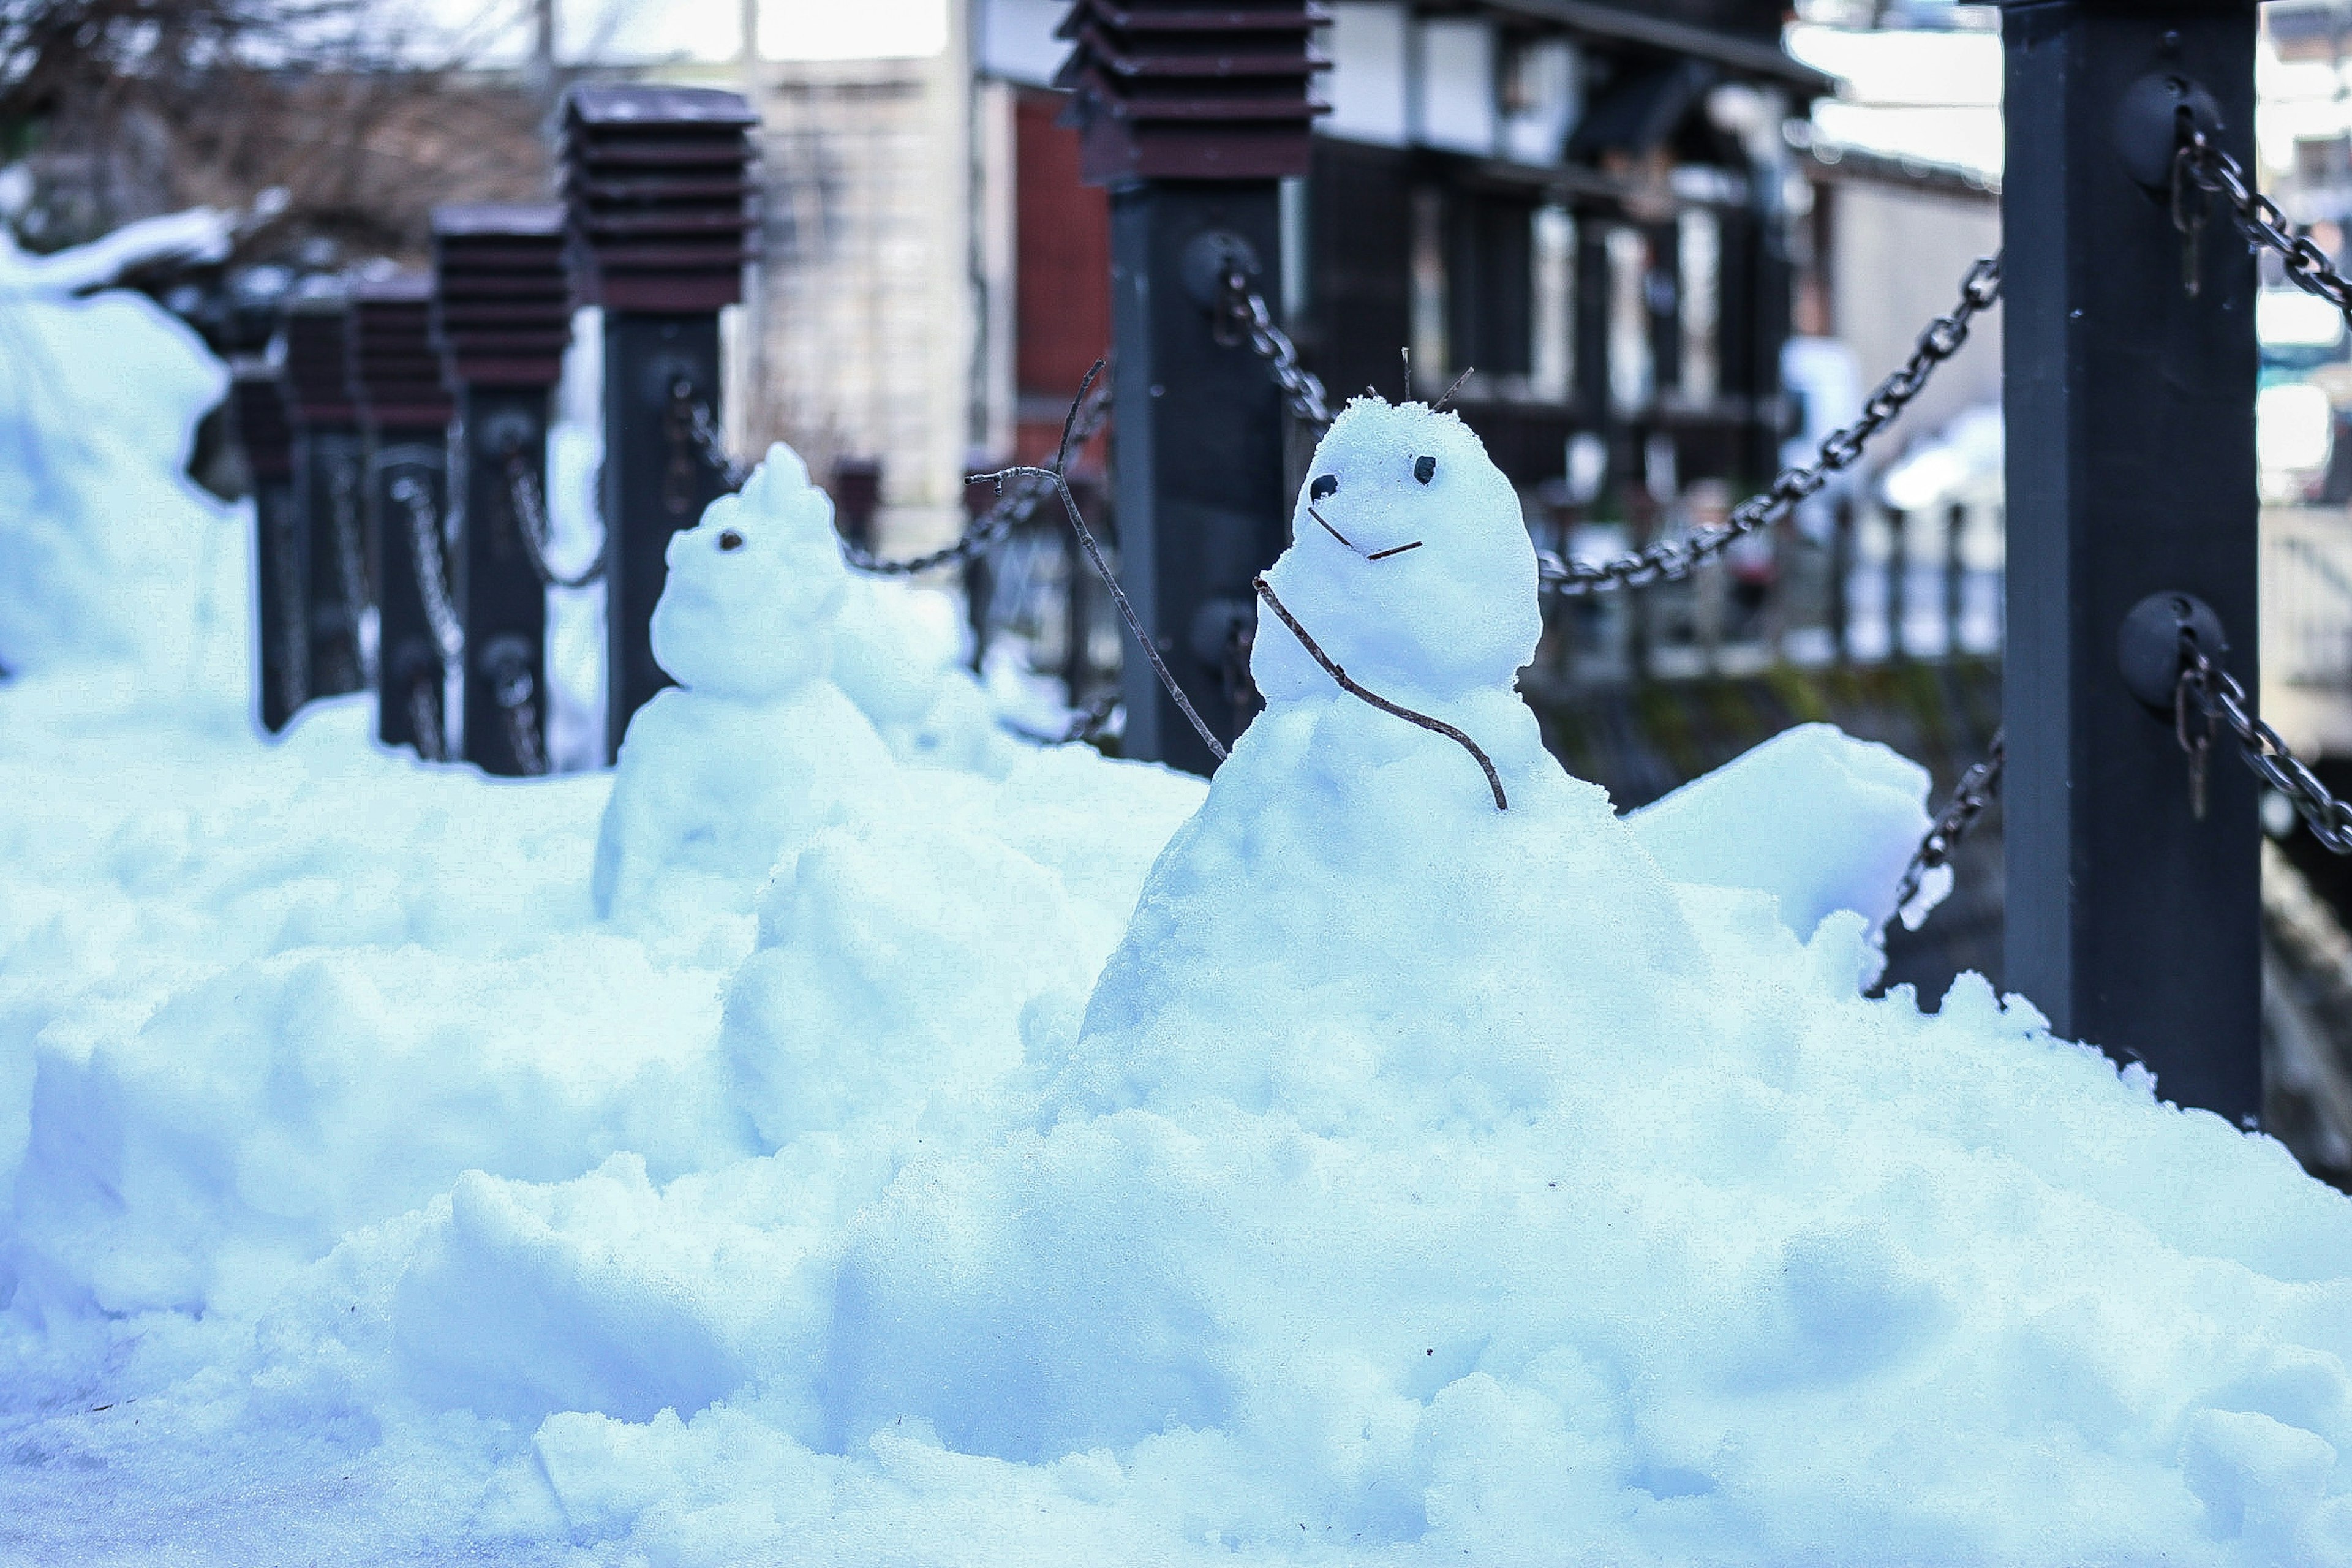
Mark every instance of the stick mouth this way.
pixel 1373 555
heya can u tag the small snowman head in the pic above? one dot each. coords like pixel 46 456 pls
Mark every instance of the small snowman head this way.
pixel 748 607
pixel 1409 562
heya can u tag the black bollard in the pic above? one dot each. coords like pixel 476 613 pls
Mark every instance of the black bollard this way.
pixel 281 555
pixel 1192 115
pixel 502 313
pixel 654 179
pixel 396 378
pixel 2134 916
pixel 329 478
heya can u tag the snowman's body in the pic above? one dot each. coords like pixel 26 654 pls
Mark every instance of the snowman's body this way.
pixel 755 748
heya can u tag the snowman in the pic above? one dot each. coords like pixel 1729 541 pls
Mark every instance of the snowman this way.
pixel 755 748
pixel 1394 814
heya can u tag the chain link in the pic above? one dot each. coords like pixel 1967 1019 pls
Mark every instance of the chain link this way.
pixel 2215 693
pixel 351 558
pixel 424 718
pixel 1244 310
pixel 701 428
pixel 1977 788
pixel 533 528
pixel 2202 164
pixel 1671 561
pixel 1018 497
pixel 516 694
pixel 431 570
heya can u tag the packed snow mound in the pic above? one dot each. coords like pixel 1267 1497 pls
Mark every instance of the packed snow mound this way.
pixel 755 750
pixel 1085 1166
pixel 1453 1182
pixel 904 964
pixel 897 653
pixel 102 534
pixel 1820 821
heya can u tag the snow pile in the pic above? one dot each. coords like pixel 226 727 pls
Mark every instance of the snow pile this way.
pixel 101 531
pixel 1078 1167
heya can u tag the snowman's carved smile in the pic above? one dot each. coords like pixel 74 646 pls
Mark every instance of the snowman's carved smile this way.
pixel 1326 486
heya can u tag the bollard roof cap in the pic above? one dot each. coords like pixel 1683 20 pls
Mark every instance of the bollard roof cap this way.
pixel 498 220
pixel 657 189
pixel 394 369
pixel 502 315
pixel 1175 90
pixel 633 104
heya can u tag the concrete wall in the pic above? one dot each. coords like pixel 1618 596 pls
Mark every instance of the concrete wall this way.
pixel 1895 260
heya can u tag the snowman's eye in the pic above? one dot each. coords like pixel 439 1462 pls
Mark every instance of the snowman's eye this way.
pixel 1325 487
pixel 1424 469
pixel 731 540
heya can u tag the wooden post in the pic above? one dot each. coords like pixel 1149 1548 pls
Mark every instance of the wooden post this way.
pixel 396 381
pixel 656 183
pixel 1192 114
pixel 281 601
pixel 329 463
pixel 502 317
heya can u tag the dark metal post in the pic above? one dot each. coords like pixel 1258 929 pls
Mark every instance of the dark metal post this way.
pixel 1897 597
pixel 1594 403
pixel 281 555
pixel 2131 471
pixel 396 379
pixel 1956 523
pixel 1192 114
pixel 657 188
pixel 329 463
pixel 502 314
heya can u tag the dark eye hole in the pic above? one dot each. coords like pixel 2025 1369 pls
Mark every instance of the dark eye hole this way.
pixel 731 540
pixel 1424 469
pixel 1324 487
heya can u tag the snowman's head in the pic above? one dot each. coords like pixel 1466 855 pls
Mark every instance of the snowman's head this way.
pixel 1410 560
pixel 753 588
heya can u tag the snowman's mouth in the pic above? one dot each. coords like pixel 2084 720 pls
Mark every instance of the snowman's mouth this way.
pixel 1374 555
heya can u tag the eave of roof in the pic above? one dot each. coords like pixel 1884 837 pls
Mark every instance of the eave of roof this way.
pixel 1745 57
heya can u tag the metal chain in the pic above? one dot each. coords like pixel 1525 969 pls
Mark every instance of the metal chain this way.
pixel 532 527
pixel 1671 561
pixel 702 428
pixel 351 558
pixel 1017 500
pixel 424 719
pixel 1243 310
pixel 431 569
pixel 2215 693
pixel 2201 163
pixel 1978 789
pixel 516 695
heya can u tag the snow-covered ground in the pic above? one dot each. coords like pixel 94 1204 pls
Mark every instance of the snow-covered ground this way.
pixel 931 1153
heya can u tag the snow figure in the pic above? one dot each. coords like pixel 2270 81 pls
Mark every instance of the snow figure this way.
pixel 894 653
pixel 755 748
pixel 107 551
pixel 1436 1174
